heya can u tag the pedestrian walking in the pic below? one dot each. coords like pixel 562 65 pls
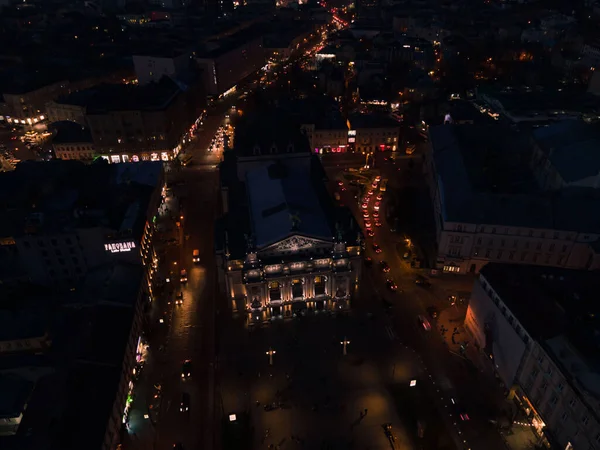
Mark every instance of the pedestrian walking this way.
pixel 366 411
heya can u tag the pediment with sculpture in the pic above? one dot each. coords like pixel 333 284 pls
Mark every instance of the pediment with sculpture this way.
pixel 296 243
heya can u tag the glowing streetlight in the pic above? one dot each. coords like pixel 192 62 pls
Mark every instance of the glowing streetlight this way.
pixel 345 343
pixel 413 383
pixel 271 352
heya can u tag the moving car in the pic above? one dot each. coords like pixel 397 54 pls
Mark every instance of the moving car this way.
pixel 377 248
pixel 379 197
pixel 184 406
pixel 179 299
pixel 377 223
pixel 424 322
pixel 196 256
pixel 370 233
pixel 423 282
pixel 183 278
pixel 186 369
pixel 368 261
pixel 366 215
pixel 365 206
pixel 376 207
pixel 391 285
pixel 384 267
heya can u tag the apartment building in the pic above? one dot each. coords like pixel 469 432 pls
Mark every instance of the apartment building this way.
pixel 322 123
pixel 96 329
pixel 226 62
pixel 25 95
pixel 159 62
pixel 373 132
pixel 488 206
pixel 63 219
pixel 73 141
pixel 538 326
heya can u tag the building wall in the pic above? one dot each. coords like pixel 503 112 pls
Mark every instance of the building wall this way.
pixel 326 139
pixel 124 136
pixel 465 247
pixel 82 151
pixel 224 71
pixel 31 105
pixel 566 411
pixel 58 112
pixel 372 139
pixel 496 330
pixel 153 68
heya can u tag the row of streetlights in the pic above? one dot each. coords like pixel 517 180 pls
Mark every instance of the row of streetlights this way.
pixel 343 343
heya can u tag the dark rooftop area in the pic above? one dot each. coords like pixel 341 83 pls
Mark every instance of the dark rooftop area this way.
pixel 152 96
pixel 550 301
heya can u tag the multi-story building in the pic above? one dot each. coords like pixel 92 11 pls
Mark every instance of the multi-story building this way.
pixel 153 66
pixel 62 219
pixel 73 141
pixel 488 206
pixel 539 327
pixel 96 329
pixel 130 123
pixel 230 60
pixel 25 97
pixel 321 121
pixel 373 132
pixel 282 245
pixel 71 107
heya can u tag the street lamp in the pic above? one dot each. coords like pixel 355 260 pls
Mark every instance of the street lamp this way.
pixel 271 352
pixel 345 343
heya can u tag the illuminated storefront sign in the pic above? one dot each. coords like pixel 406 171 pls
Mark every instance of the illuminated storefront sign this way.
pixel 351 132
pixel 120 247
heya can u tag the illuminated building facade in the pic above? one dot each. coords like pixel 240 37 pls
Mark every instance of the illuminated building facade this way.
pixel 229 60
pixel 283 246
pixel 508 222
pixel 537 326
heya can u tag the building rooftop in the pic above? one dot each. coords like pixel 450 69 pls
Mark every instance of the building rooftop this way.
pixel 70 132
pixel 358 121
pixel 284 202
pixel 58 195
pixel 557 307
pixel 572 148
pixel 123 97
pixel 14 393
pixel 321 111
pixel 268 133
pixel 21 81
pixel 216 48
pixel 483 175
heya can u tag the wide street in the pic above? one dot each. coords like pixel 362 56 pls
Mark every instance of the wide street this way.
pixel 307 393
pixel 457 376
